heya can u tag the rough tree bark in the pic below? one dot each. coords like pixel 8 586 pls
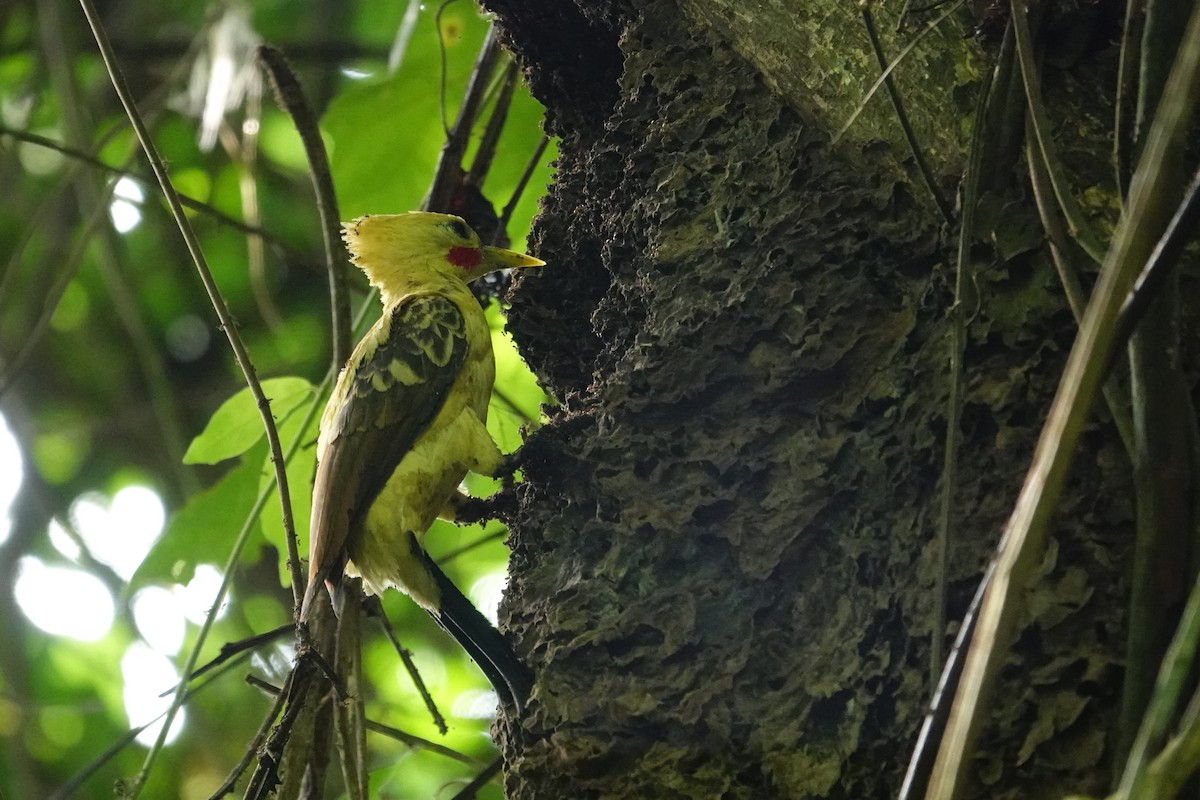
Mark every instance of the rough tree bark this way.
pixel 723 569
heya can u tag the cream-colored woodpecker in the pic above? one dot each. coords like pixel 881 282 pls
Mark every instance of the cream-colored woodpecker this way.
pixel 406 421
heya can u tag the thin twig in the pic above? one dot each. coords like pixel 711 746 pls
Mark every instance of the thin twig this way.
pixel 330 673
pixel 1161 29
pixel 910 136
pixel 1179 232
pixel 1061 243
pixel 511 205
pixel 189 202
pixel 895 63
pixel 244 153
pixel 227 324
pixel 1061 248
pixel 1077 223
pixel 270 754
pixel 481 780
pixel 964 282
pixel 231 649
pixel 260 736
pixel 420 743
pixel 487 538
pixel 503 397
pixel 410 739
pixel 486 150
pixel 289 95
pixel 69 788
pixel 265 685
pixel 449 167
pixel 375 609
pixel 1125 105
pixel 920 765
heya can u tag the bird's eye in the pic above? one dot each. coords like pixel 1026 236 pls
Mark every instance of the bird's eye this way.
pixel 460 229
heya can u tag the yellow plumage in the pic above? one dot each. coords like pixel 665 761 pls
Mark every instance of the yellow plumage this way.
pixel 407 420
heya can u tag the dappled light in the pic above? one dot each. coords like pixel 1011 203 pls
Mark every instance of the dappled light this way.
pixel 486 593
pixel 126 207
pixel 11 474
pixel 63 601
pixel 196 598
pixel 119 532
pixel 147 675
pixel 158 614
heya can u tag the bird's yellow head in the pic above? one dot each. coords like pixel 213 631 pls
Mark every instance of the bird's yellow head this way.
pixel 401 253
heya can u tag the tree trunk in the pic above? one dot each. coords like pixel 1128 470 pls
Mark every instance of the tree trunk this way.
pixel 724 564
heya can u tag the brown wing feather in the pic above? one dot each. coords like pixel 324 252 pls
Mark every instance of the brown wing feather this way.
pixel 393 392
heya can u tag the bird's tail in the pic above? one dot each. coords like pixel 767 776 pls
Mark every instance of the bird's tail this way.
pixel 456 614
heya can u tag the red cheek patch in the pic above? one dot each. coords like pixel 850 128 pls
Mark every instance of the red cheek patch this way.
pixel 465 257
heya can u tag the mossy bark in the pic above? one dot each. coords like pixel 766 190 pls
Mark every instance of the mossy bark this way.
pixel 723 569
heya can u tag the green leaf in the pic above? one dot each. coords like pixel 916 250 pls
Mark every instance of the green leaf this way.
pixel 236 426
pixel 204 530
pixel 386 132
pixel 516 398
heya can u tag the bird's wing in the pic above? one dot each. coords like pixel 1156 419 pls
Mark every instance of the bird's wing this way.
pixel 398 379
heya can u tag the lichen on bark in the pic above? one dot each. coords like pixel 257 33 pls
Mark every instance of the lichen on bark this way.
pixel 722 572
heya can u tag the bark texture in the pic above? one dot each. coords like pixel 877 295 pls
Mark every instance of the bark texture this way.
pixel 722 569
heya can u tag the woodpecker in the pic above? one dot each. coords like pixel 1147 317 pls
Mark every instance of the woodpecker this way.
pixel 407 419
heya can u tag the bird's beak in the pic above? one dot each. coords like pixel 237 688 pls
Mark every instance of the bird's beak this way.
pixel 499 258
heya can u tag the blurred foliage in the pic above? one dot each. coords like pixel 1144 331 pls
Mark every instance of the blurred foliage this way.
pixel 111 364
